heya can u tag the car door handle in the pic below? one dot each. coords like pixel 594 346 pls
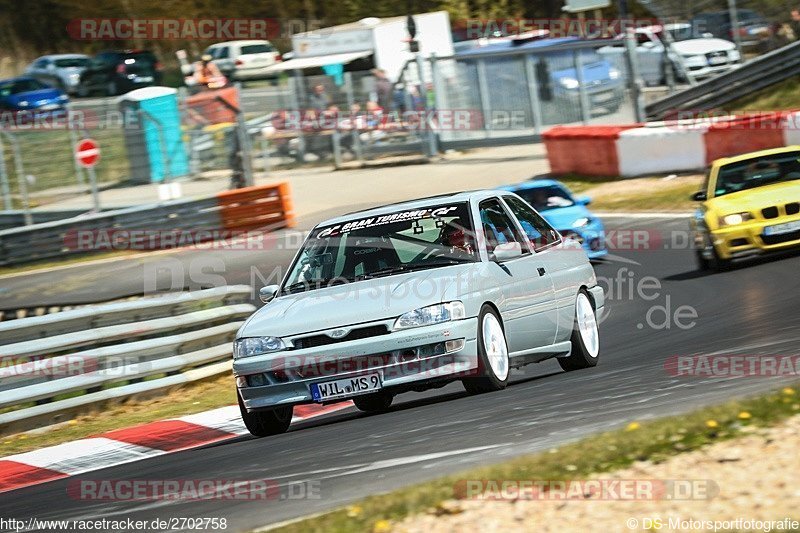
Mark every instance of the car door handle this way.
pixel 542 271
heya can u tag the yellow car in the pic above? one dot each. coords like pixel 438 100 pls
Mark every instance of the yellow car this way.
pixel 751 205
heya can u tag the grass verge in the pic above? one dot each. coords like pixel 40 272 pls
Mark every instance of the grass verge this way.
pixel 783 95
pixel 638 194
pixel 189 399
pixel 654 441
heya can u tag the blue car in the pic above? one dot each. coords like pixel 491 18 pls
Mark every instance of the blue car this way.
pixel 565 212
pixel 29 94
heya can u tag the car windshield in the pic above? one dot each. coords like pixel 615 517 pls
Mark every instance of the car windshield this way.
pixel 19 86
pixel 80 62
pixel 544 198
pixel 681 33
pixel 384 245
pixel 757 172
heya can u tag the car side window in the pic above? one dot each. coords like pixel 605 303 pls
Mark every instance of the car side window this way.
pixel 40 64
pixel 222 53
pixel 536 228
pixel 498 226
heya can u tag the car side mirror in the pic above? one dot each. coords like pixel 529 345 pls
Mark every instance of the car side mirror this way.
pixel 266 294
pixel 700 196
pixel 583 200
pixel 506 251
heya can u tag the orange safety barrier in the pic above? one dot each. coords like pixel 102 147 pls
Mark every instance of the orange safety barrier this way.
pixel 260 207
pixel 586 150
pixel 743 134
pixel 206 105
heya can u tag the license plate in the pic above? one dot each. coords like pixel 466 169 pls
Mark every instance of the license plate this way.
pixel 717 60
pixel 342 388
pixel 49 107
pixel 143 79
pixel 780 229
pixel 603 97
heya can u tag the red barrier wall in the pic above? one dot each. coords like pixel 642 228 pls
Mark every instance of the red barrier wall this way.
pixel 743 134
pixel 587 150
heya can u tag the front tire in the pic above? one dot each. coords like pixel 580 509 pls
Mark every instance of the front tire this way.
pixel 585 336
pixel 493 363
pixel 266 423
pixel 374 403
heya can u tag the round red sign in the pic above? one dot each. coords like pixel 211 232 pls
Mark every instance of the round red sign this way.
pixel 87 152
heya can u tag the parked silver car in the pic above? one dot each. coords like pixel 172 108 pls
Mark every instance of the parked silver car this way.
pixel 412 296
pixel 62 71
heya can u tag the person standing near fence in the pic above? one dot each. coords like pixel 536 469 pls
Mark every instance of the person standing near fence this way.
pixel 383 88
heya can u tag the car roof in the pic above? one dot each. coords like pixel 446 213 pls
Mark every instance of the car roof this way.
pixel 460 197
pixel 753 155
pixel 246 42
pixel 533 184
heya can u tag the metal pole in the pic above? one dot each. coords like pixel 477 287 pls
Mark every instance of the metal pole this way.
pixel 583 98
pixel 484 94
pixel 533 94
pixel 734 16
pixel 348 87
pixel 635 79
pixel 93 185
pixel 423 93
pixel 7 204
pixel 22 183
pixel 295 96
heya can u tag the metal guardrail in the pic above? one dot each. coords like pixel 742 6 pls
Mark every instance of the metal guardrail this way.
pixel 67 354
pixel 263 207
pixel 752 76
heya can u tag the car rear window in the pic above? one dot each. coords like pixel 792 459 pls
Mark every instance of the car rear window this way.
pixel 256 49
pixel 72 62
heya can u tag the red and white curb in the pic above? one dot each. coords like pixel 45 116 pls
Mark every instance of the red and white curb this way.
pixel 133 444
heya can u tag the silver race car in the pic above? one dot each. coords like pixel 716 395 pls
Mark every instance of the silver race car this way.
pixel 413 296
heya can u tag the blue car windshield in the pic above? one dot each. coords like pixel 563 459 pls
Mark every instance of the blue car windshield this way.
pixel 384 245
pixel 20 86
pixel 544 198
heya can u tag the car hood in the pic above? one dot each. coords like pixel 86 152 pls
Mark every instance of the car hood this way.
pixel 352 303
pixel 562 218
pixel 702 46
pixel 34 96
pixel 756 199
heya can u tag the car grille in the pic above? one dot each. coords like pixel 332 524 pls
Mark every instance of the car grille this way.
pixel 793 208
pixel 313 341
pixel 713 55
pixel 780 239
pixel 770 212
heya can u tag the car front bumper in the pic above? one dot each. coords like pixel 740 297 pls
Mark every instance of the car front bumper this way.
pixel 742 240
pixel 291 373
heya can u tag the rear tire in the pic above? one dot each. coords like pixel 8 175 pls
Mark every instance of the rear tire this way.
pixel 585 336
pixel 374 403
pixel 266 423
pixel 493 363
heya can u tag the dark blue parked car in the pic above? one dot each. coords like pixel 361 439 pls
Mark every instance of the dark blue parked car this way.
pixel 565 212
pixel 29 94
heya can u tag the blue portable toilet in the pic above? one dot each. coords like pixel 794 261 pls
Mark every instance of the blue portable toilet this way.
pixel 152 125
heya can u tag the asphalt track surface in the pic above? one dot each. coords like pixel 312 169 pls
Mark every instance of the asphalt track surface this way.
pixel 749 310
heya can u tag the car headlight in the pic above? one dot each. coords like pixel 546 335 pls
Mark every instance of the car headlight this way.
pixel 581 222
pixel 23 103
pixel 735 218
pixel 613 73
pixel 569 83
pixel 433 314
pixel 251 346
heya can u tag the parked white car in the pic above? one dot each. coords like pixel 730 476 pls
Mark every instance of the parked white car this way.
pixel 701 57
pixel 244 60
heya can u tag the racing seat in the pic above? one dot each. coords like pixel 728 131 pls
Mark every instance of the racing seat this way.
pixel 368 254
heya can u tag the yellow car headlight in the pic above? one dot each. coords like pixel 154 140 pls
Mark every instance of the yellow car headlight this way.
pixel 734 219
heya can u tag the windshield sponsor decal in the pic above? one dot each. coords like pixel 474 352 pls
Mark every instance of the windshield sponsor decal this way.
pixel 371 222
